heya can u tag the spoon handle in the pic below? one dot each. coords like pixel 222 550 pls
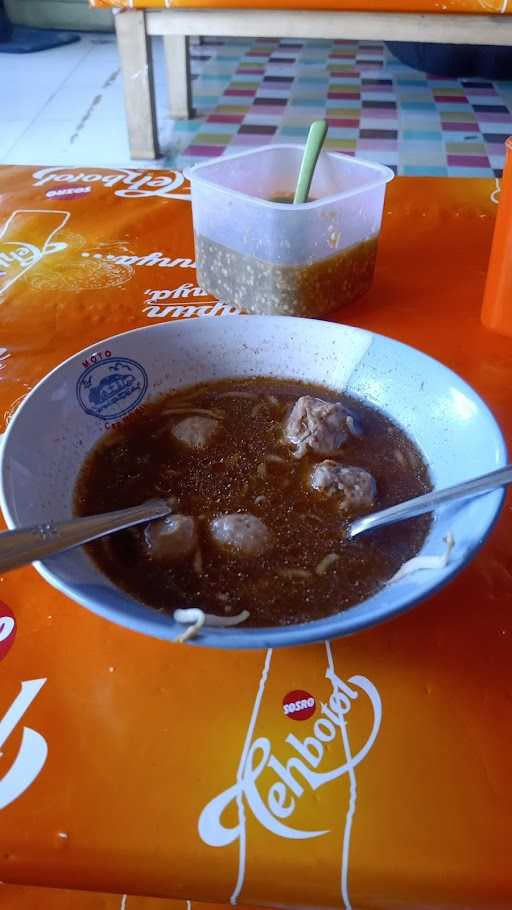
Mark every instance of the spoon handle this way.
pixel 17 548
pixel 430 501
pixel 314 143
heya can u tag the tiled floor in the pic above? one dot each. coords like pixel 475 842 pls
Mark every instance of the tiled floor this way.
pixel 64 106
pixel 266 91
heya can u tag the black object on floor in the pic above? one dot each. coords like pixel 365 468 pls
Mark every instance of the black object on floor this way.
pixel 455 60
pixel 21 40
pixel 494 62
pixel 436 59
pixel 5 25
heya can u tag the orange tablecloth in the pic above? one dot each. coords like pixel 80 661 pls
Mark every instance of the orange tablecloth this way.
pixel 18 897
pixel 115 747
pixel 485 7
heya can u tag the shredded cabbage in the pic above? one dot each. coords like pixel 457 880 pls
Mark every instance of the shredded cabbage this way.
pixel 195 619
pixel 418 563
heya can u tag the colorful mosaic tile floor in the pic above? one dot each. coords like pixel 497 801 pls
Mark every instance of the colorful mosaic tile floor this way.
pixel 250 93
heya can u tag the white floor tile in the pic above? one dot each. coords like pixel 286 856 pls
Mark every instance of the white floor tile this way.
pixel 85 147
pixel 60 102
pixel 72 102
pixel 19 103
pixel 10 132
pixel 44 68
pixel 95 69
pixel 43 142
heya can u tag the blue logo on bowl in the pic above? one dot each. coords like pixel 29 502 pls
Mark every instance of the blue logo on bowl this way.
pixel 112 388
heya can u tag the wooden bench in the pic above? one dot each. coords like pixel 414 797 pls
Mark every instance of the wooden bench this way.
pixel 424 20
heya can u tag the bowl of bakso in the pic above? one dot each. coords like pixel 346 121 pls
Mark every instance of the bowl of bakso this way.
pixel 267 436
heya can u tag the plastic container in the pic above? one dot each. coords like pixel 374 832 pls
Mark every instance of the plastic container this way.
pixel 497 305
pixel 269 257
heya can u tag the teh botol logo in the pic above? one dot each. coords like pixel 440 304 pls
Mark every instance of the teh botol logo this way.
pixel 33 748
pixel 273 778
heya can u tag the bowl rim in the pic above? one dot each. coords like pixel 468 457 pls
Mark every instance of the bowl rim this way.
pixel 337 625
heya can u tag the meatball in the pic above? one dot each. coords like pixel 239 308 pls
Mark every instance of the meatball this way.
pixel 241 534
pixel 196 432
pixel 354 488
pixel 322 426
pixel 172 538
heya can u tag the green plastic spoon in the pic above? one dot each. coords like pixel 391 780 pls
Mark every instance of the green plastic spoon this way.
pixel 313 147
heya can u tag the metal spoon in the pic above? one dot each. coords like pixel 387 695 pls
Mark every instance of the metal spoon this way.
pixel 18 548
pixel 430 501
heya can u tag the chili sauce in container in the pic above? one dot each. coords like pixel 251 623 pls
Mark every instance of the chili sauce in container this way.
pixel 258 251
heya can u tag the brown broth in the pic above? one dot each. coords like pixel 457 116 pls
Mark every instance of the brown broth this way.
pixel 139 460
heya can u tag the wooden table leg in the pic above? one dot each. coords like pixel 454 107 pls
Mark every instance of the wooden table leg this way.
pixel 139 95
pixel 177 60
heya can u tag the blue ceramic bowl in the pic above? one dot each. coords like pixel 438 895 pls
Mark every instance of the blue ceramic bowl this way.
pixel 67 413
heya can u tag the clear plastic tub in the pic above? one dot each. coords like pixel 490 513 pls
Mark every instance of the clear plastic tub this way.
pixel 268 257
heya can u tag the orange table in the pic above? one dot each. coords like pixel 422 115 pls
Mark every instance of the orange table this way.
pixel 479 7
pixel 19 897
pixel 121 767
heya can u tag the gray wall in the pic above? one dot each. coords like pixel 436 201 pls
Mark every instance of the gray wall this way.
pixel 63 14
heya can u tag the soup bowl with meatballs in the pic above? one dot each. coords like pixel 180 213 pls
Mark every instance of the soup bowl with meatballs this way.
pixel 267 436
